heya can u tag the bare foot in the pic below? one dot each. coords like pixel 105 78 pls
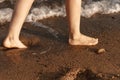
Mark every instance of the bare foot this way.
pixel 83 40
pixel 9 43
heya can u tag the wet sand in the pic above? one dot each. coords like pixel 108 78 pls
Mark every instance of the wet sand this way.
pixel 50 57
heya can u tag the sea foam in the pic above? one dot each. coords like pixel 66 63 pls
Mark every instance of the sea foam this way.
pixel 89 8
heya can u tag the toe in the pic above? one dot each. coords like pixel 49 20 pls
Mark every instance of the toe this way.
pixel 94 42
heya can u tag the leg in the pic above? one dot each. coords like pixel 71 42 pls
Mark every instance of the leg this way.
pixel 21 10
pixel 73 9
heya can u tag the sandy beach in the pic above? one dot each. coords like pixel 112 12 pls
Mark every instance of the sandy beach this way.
pixel 52 58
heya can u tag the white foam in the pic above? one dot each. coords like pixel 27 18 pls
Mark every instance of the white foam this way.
pixel 88 9
pixel 103 7
pixel 5 15
pixel 45 12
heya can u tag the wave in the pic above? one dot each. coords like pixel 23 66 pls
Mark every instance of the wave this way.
pixel 38 12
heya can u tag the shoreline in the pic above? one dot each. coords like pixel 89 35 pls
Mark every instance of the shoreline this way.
pixel 51 58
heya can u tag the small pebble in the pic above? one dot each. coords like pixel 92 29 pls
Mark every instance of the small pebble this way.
pixel 102 50
pixel 113 77
pixel 118 75
pixel 34 53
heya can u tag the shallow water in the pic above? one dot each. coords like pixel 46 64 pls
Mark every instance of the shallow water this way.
pixel 46 8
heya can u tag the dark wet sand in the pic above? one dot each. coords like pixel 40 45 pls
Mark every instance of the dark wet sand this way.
pixel 51 58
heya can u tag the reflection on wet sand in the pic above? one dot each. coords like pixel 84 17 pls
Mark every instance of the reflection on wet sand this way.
pixel 15 55
pixel 50 59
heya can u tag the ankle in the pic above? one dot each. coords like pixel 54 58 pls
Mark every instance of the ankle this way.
pixel 11 38
pixel 74 36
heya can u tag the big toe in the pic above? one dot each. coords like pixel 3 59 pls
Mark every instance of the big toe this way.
pixel 21 46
